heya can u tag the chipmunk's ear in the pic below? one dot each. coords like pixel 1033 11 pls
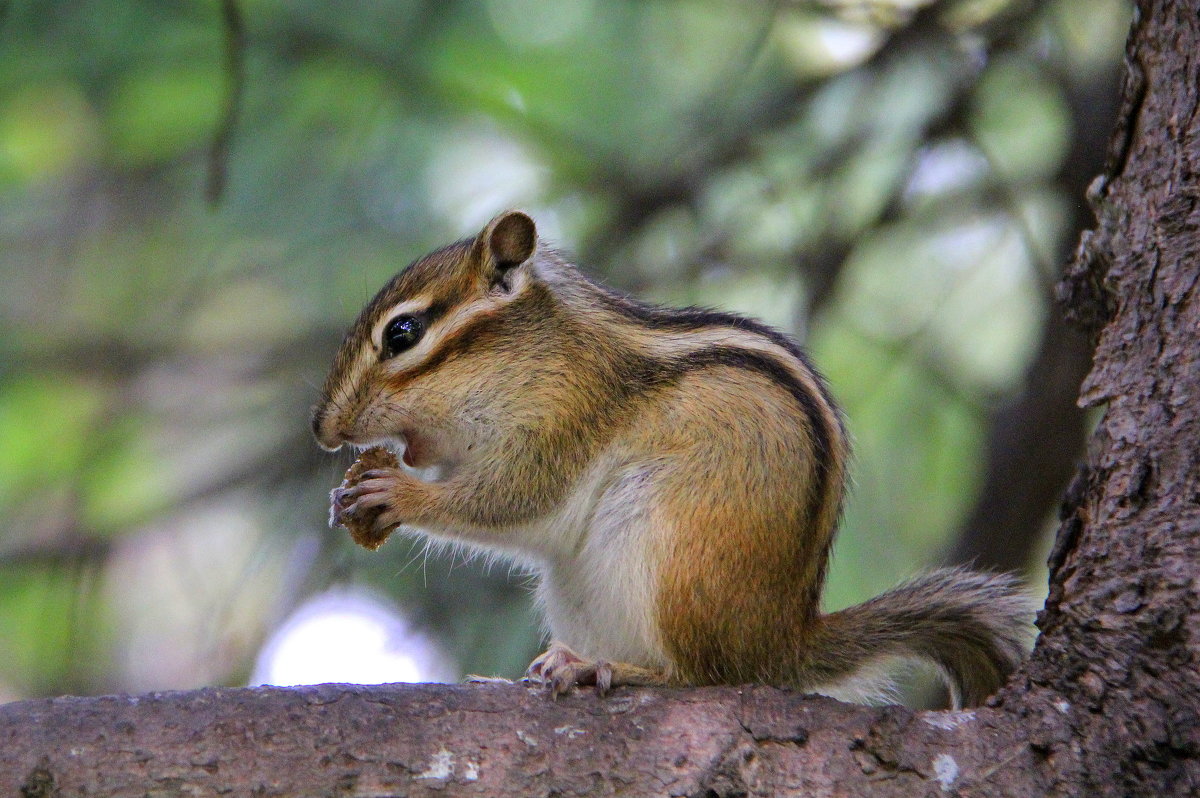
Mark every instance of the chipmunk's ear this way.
pixel 508 241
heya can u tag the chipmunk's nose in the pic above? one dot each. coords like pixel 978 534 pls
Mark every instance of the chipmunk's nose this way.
pixel 328 436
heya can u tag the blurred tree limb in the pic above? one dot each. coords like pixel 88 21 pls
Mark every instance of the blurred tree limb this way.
pixel 234 27
pixel 1035 439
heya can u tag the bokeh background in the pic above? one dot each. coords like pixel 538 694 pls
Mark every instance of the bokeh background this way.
pixel 196 198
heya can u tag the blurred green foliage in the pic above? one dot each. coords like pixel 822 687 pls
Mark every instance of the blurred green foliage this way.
pixel 163 504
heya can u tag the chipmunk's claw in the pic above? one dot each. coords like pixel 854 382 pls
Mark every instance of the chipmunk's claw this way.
pixel 560 669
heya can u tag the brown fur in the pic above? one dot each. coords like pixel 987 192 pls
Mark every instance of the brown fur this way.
pixel 676 476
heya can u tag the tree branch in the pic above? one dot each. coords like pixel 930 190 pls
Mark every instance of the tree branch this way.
pixel 235 68
pixel 498 740
pixel 1035 440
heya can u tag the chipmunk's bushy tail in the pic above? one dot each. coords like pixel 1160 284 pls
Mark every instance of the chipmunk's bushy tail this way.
pixel 974 627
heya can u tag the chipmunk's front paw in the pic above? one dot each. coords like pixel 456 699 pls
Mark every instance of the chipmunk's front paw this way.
pixel 384 493
pixel 372 503
pixel 560 668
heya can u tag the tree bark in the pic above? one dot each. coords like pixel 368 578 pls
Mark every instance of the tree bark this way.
pixel 1107 705
pixel 500 740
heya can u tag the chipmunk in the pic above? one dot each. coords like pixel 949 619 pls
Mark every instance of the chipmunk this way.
pixel 674 476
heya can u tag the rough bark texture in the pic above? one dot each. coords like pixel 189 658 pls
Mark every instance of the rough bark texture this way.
pixel 1108 705
pixel 1121 630
pixel 493 740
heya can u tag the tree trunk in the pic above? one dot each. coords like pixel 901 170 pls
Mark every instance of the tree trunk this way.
pixel 1108 704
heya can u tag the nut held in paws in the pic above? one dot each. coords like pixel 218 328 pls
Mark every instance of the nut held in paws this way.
pixel 362 524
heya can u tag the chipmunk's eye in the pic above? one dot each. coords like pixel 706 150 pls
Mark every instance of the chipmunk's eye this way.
pixel 401 333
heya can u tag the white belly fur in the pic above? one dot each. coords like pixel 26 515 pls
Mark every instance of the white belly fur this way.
pixel 597 585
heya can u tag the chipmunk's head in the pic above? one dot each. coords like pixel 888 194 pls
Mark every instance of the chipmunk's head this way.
pixel 417 368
